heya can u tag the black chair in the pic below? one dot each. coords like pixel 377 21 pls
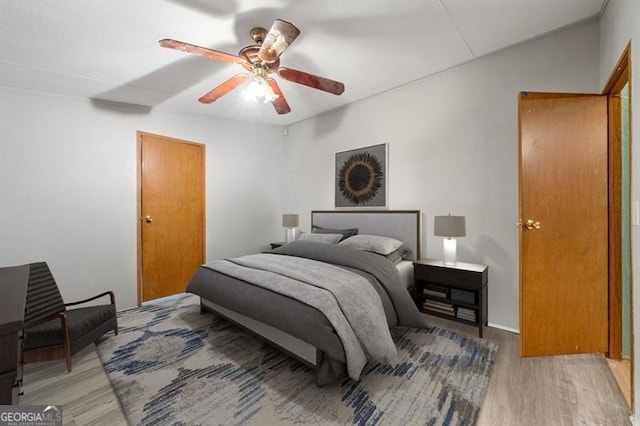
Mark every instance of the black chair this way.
pixel 54 332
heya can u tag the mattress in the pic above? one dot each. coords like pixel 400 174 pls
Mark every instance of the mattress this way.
pixel 405 268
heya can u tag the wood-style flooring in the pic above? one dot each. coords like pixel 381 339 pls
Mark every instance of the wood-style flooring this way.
pixel 559 390
pixel 85 394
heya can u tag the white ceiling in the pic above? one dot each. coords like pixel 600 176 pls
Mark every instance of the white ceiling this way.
pixel 108 49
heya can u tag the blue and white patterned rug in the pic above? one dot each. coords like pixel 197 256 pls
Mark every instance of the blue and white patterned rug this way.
pixel 172 365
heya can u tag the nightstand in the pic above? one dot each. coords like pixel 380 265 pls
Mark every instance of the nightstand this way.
pixel 457 292
pixel 278 244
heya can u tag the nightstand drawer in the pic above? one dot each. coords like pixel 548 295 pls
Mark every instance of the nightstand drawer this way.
pixel 452 277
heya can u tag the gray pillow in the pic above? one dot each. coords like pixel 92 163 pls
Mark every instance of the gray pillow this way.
pixel 402 253
pixel 374 243
pixel 320 238
pixel 394 257
pixel 346 233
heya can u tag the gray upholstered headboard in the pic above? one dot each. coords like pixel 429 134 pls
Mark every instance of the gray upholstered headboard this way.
pixel 403 225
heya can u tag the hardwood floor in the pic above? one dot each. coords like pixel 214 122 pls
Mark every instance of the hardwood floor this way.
pixel 85 394
pixel 559 390
pixel 553 390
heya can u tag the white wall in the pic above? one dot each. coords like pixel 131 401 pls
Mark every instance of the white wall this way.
pixel 68 166
pixel 453 148
pixel 68 187
pixel 620 24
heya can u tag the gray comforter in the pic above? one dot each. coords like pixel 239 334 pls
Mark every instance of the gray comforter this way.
pixel 382 270
pixel 359 293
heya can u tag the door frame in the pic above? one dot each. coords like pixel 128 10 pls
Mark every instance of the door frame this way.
pixel 139 135
pixel 620 76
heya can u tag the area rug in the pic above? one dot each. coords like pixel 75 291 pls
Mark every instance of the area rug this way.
pixel 172 365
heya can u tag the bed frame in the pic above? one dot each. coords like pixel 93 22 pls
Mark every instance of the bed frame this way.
pixel 403 225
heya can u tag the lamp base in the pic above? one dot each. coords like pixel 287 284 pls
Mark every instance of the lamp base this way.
pixel 291 234
pixel 449 246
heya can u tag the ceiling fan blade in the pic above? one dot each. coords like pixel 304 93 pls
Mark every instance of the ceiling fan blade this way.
pixel 280 103
pixel 280 36
pixel 311 80
pixel 224 88
pixel 201 51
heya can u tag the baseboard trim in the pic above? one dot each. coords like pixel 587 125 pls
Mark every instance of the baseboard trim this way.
pixel 502 327
pixel 164 299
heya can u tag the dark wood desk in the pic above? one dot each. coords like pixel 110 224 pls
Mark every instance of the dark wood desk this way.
pixel 13 287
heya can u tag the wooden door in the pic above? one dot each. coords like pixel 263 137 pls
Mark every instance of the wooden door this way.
pixel 171 243
pixel 563 190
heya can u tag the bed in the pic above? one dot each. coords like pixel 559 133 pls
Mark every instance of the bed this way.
pixel 269 294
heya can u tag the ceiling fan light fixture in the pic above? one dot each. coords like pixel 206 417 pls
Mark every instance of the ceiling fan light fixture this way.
pixel 259 88
pixel 279 46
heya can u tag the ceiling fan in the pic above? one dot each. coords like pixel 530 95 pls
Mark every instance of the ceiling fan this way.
pixel 262 60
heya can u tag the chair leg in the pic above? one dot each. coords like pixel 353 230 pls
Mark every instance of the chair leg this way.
pixel 113 302
pixel 67 340
pixel 68 357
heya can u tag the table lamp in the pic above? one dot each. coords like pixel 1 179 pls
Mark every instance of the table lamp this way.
pixel 290 221
pixel 449 227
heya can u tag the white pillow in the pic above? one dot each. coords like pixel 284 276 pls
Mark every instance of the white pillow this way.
pixel 374 243
pixel 320 238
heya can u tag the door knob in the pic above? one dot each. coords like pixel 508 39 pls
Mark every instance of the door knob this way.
pixel 148 219
pixel 532 224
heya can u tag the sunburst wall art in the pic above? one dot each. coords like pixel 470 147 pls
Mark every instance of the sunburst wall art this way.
pixel 361 177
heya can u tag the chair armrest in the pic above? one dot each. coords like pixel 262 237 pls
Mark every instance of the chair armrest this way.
pixel 109 293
